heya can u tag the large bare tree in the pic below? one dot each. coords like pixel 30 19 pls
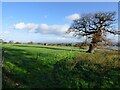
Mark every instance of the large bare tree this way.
pixel 94 26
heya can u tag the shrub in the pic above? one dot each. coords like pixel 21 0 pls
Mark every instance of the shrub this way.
pixel 88 71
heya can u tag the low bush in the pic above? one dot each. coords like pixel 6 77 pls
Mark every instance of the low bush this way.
pixel 99 70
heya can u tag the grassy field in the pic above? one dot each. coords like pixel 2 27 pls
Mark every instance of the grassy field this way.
pixel 37 66
pixel 31 65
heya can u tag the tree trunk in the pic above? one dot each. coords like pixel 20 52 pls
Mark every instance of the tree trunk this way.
pixel 92 47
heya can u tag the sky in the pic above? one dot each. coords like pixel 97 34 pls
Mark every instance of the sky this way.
pixel 46 21
pixel 60 0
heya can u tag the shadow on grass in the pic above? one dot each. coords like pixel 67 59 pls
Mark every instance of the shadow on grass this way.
pixel 88 72
pixel 37 75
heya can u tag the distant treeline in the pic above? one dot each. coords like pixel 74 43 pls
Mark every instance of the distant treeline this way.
pixel 77 44
pixel 81 44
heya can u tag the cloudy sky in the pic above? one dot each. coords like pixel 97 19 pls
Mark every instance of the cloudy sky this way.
pixel 45 22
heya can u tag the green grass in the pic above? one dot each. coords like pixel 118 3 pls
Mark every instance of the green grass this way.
pixel 37 66
pixel 31 65
pixel 99 70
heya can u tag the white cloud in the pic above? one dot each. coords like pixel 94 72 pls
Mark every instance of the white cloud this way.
pixel 73 17
pixel 42 28
pixel 19 25
pixel 22 25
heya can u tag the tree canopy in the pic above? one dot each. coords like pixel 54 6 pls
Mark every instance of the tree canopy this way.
pixel 95 26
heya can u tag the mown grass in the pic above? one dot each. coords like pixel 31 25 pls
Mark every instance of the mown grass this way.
pixel 37 66
pixel 30 66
